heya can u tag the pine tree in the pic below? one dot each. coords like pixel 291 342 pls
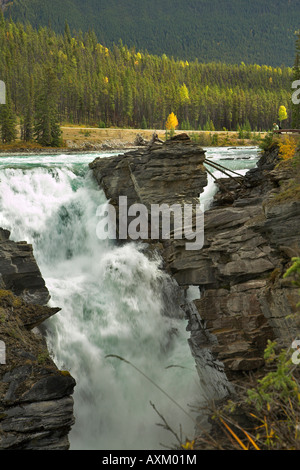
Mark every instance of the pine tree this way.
pixel 68 36
pixel 8 130
pixel 47 128
pixel 144 123
pixel 128 100
pixel 27 128
pixel 121 88
pixel 28 124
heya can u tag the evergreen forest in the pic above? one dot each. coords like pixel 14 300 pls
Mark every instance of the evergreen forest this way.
pixel 71 78
pixel 230 31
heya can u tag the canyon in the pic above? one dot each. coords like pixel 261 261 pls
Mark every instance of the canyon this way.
pixel 251 232
pixel 250 236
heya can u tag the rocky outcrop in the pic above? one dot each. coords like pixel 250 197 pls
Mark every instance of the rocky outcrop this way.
pixel 36 404
pixel 167 172
pixel 19 271
pixel 163 173
pixel 248 245
pixel 249 237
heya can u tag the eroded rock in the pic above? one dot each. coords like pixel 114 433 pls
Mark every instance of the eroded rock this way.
pixel 19 271
pixel 36 404
pixel 248 242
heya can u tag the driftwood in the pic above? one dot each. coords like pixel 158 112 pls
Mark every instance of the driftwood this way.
pixel 141 142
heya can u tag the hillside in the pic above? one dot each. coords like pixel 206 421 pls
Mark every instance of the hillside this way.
pixel 230 31
pixel 94 85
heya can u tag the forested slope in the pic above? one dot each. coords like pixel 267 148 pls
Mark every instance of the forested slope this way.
pixel 231 31
pixel 94 85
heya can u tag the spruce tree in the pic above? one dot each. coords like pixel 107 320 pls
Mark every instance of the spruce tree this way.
pixel 47 128
pixel 8 129
pixel 144 123
pixel 121 87
pixel 128 100
pixel 27 127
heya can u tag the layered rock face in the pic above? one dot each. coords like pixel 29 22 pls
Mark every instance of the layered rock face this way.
pixel 36 404
pixel 163 173
pixel 163 178
pixel 19 271
pixel 249 239
pixel 248 246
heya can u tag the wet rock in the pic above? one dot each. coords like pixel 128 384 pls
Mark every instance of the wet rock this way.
pixel 248 246
pixel 34 426
pixel 161 174
pixel 36 404
pixel 19 271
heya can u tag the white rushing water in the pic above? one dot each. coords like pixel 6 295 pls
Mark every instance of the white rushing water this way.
pixel 113 300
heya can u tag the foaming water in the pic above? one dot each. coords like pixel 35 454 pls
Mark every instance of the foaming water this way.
pixel 239 159
pixel 114 301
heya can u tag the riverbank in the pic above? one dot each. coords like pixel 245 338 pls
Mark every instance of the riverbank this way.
pixel 83 139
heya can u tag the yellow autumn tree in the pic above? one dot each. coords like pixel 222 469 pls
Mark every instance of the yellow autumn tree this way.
pixel 282 114
pixel 184 94
pixel 172 122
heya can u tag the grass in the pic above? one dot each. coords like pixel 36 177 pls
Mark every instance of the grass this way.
pixel 265 413
pixel 225 138
pixel 20 145
pixel 79 134
pixel 269 409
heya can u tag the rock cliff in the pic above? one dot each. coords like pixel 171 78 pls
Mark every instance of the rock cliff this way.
pixel 162 173
pixel 250 234
pixel 248 246
pixel 19 271
pixel 36 404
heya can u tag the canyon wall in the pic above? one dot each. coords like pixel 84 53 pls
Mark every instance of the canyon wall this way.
pixel 36 403
pixel 250 235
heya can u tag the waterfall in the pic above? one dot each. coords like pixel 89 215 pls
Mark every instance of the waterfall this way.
pixel 114 300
